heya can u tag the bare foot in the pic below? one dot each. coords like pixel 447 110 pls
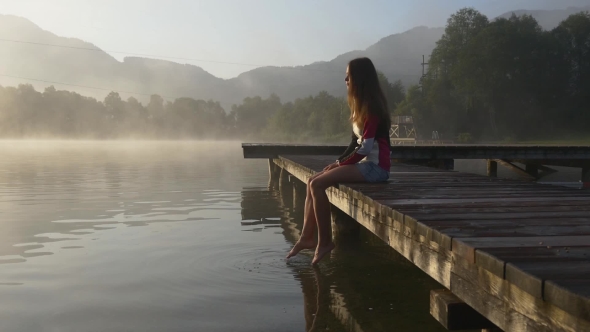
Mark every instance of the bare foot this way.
pixel 320 252
pixel 300 245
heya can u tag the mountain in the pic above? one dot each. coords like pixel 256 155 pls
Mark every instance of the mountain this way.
pixel 398 56
pixel 68 63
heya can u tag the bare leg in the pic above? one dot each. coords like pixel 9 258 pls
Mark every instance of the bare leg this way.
pixel 321 204
pixel 307 241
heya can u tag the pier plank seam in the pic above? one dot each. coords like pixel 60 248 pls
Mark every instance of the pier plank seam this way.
pixel 422 245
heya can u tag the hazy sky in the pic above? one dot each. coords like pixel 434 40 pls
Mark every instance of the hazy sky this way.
pixel 263 32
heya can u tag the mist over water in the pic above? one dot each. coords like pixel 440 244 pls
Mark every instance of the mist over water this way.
pixel 179 236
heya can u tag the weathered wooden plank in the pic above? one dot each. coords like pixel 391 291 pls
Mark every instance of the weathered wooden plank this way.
pixel 490 204
pixel 572 295
pixel 487 200
pixel 454 314
pixel 457 186
pixel 516 208
pixel 466 247
pixel 529 276
pixel 492 307
pixel 475 187
pixel 491 224
pixel 461 186
pixel 511 230
pixel 495 259
pixel 508 306
pixel 477 190
pixel 499 215
pixel 441 232
pixel 429 236
pixel 458 195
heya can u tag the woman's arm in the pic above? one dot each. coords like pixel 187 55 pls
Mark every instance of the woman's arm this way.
pixel 350 149
pixel 368 138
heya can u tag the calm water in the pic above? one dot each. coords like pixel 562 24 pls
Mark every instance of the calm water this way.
pixel 119 236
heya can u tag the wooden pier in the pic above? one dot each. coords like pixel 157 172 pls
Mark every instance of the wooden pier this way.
pixel 516 252
pixel 536 159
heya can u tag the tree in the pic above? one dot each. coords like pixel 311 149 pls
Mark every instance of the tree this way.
pixel 156 106
pixel 573 38
pixel 114 106
pixel 461 28
pixel 496 76
pixel 253 114
pixel 394 93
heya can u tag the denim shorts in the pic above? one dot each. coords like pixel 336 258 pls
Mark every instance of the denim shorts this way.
pixel 372 172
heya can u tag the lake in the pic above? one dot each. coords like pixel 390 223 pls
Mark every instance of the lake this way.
pixel 179 236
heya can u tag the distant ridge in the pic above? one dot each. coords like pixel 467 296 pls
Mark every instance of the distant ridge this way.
pixel 398 56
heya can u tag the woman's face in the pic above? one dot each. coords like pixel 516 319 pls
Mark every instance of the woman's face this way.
pixel 347 79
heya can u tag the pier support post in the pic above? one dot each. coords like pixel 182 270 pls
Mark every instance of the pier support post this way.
pixel 299 193
pixel 533 170
pixel 449 164
pixel 285 189
pixel 272 170
pixel 456 315
pixel 492 168
pixel 273 173
pixel 283 179
pixel 585 173
pixel 343 226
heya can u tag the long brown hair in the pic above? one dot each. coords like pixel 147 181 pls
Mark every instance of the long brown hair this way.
pixel 365 95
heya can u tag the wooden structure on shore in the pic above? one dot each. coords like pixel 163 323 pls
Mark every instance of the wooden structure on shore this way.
pixel 403 132
pixel 516 253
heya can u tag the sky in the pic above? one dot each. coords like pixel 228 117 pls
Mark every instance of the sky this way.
pixel 248 33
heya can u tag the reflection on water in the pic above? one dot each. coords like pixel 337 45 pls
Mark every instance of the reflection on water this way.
pixel 179 236
pixel 363 286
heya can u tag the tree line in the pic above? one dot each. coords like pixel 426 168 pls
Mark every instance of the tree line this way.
pixel 27 113
pixel 506 79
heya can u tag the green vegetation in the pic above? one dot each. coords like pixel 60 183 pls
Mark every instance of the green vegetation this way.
pixel 26 113
pixel 506 80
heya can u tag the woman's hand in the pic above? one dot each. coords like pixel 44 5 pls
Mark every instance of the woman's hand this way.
pixel 331 166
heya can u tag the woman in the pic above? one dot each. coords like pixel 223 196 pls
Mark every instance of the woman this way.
pixel 365 160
